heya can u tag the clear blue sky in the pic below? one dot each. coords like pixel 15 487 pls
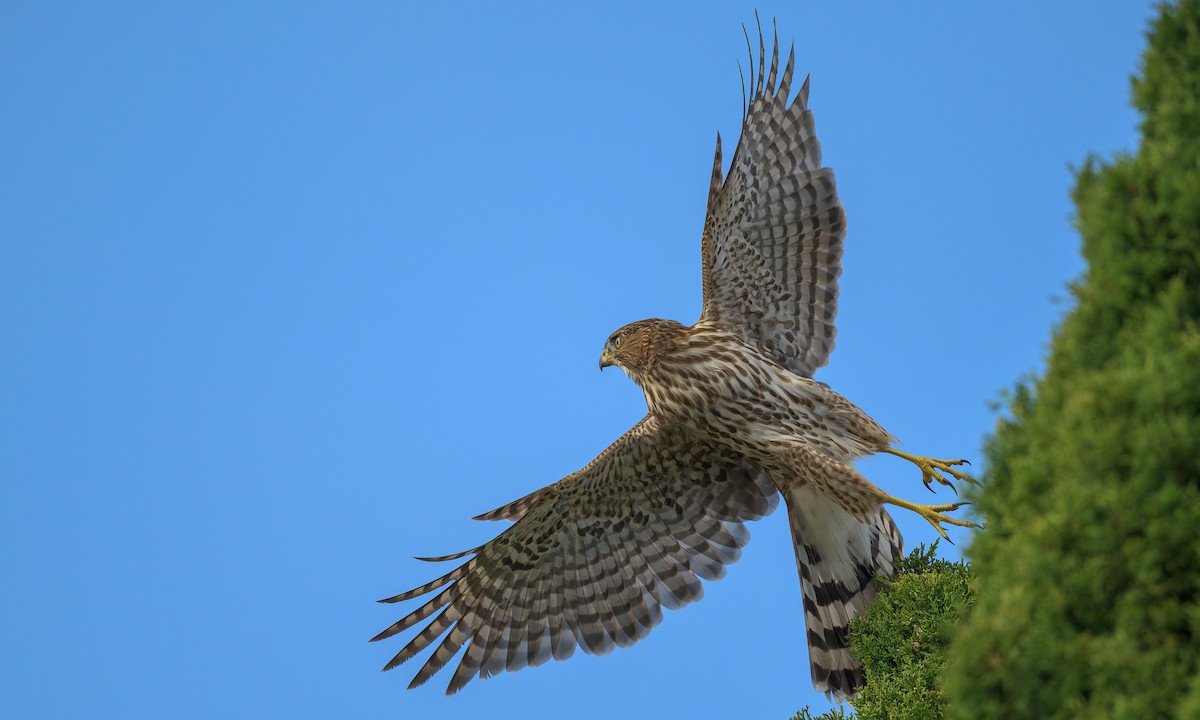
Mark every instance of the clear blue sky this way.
pixel 291 290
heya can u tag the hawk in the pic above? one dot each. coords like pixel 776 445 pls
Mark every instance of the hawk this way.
pixel 734 420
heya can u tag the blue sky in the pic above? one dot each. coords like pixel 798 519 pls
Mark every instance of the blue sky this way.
pixel 292 290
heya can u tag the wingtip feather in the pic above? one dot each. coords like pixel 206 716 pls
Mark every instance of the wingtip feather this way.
pixel 762 56
pixel 445 558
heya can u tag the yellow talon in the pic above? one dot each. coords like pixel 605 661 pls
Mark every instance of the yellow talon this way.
pixel 933 514
pixel 932 469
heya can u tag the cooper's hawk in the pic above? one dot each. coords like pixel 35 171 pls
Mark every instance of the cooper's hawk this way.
pixel 734 420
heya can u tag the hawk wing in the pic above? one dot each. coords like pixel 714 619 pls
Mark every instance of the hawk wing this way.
pixel 772 245
pixel 592 559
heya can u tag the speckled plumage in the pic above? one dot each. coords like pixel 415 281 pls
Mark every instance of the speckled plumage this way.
pixel 734 419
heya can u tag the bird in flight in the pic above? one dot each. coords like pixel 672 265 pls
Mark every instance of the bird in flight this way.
pixel 734 420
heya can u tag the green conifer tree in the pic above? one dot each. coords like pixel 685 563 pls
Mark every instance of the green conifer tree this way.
pixel 1089 570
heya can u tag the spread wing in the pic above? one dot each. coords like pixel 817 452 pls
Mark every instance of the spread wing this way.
pixel 592 559
pixel 772 246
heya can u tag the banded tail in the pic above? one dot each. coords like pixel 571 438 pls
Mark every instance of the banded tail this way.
pixel 838 557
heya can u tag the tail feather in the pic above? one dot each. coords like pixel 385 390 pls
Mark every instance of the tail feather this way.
pixel 838 557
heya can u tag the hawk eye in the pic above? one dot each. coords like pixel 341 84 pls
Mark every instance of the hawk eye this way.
pixel 616 341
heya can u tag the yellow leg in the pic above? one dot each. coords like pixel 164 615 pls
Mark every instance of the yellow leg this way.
pixel 932 469
pixel 933 513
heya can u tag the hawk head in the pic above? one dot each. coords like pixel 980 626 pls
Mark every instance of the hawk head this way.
pixel 636 347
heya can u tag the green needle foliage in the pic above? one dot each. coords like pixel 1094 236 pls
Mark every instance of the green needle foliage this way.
pixel 1089 570
pixel 901 640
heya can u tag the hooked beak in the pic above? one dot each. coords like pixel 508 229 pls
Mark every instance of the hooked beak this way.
pixel 606 359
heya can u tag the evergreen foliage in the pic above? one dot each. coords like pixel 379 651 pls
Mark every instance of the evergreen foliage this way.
pixel 1089 571
pixel 901 640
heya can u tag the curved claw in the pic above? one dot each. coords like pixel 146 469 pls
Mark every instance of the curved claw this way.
pixel 929 473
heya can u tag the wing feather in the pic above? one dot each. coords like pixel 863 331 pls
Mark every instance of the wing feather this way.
pixel 773 233
pixel 592 559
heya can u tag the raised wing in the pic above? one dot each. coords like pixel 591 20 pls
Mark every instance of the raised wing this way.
pixel 772 246
pixel 592 559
